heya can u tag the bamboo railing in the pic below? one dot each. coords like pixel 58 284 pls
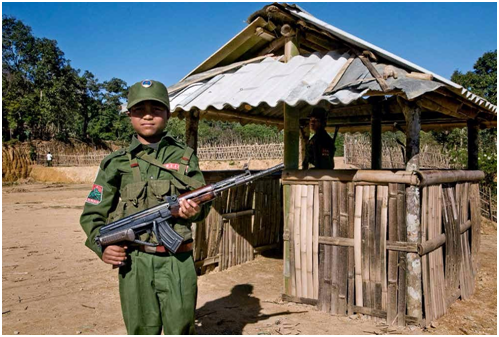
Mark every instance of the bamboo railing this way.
pixel 348 244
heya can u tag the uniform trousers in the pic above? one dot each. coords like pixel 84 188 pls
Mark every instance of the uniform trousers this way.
pixel 158 291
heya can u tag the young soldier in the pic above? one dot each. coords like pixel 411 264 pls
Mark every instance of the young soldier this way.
pixel 320 149
pixel 157 289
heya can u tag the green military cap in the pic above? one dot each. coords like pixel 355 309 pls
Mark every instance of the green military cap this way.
pixel 148 90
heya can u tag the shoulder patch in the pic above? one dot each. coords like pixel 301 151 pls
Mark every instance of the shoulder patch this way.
pixel 114 154
pixel 95 195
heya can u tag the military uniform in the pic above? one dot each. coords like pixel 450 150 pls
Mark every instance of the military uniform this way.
pixel 157 290
pixel 321 150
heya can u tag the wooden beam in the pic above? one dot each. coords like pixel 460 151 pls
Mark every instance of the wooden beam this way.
pixel 473 129
pixel 273 46
pixel 340 74
pixel 217 57
pixel 291 137
pixel 374 72
pixel 291 46
pixel 264 34
pixel 215 72
pixel 376 150
pixel 224 114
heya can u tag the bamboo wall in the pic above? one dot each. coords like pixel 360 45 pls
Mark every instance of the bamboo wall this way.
pixel 348 243
pixel 242 222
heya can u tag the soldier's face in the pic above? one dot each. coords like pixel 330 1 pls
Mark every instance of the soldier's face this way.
pixel 149 118
pixel 315 124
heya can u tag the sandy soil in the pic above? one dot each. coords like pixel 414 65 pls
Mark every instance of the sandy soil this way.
pixel 77 175
pixel 52 284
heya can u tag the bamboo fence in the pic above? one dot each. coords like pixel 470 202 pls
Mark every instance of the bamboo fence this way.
pixel 361 241
pixel 243 222
pixel 357 151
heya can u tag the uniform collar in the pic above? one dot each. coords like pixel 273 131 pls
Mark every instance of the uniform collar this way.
pixel 136 144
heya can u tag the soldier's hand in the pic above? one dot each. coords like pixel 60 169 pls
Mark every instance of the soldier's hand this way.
pixel 188 209
pixel 114 255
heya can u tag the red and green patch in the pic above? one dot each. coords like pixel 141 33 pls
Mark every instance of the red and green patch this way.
pixel 95 196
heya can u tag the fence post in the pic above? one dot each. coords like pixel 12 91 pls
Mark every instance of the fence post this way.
pixel 490 204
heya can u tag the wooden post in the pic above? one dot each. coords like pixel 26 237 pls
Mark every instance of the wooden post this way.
pixel 412 114
pixel 473 144
pixel 291 155
pixel 191 129
pixel 490 204
pixel 291 46
pixel 376 148
pixel 304 137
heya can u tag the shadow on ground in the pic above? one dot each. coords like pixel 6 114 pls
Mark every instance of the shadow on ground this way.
pixel 230 314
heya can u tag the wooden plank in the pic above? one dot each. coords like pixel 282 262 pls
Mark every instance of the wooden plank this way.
pixel 297 234
pixel 309 243
pixel 359 297
pixel 426 205
pixel 325 299
pixel 351 258
pixel 391 306
pixel 343 251
pixel 291 230
pixel 303 241
pixel 323 286
pixel 383 253
pixel 376 272
pixel 302 300
pixel 372 246
pixel 334 257
pixel 402 236
pixel 452 251
pixel 383 314
pixel 315 234
pixel 475 225
pixel 366 291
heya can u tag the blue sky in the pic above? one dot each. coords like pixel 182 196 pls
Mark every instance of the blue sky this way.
pixel 164 41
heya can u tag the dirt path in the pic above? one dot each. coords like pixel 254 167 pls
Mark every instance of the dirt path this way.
pixel 52 284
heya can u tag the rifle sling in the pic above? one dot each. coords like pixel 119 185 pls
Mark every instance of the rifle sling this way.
pixel 180 177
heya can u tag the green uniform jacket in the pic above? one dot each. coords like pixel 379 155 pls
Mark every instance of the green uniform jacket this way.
pixel 117 193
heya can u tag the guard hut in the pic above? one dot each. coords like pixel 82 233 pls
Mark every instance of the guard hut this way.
pixel 397 244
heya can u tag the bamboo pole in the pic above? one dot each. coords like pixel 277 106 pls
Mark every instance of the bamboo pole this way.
pixel 343 251
pixel 315 233
pixel 402 236
pixel 357 246
pixel 290 240
pixel 334 255
pixel 309 244
pixel 366 291
pixel 383 232
pixel 303 241
pixel 392 256
pixel 351 259
pixel 297 234
pixel 325 299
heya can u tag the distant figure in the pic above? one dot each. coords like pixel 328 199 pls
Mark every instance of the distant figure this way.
pixel 32 153
pixel 49 159
pixel 320 149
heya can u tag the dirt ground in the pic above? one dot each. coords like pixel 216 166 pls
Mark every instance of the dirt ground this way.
pixel 53 284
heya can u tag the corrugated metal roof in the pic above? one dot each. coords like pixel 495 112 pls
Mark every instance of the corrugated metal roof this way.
pixel 342 35
pixel 303 79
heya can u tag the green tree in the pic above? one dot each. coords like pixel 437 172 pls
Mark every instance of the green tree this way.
pixel 482 81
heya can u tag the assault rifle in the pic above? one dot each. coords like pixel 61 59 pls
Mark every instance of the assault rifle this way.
pixel 157 218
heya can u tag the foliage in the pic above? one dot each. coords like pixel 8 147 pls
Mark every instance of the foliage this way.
pixel 483 82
